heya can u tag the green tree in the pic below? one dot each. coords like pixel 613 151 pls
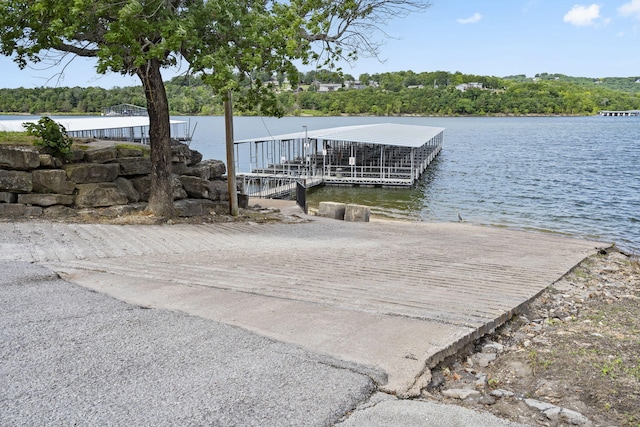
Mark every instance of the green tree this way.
pixel 141 37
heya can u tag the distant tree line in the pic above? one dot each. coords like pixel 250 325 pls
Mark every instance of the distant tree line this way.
pixel 395 93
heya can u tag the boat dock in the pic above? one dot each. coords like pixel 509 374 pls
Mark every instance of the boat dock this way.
pixel 626 113
pixel 125 128
pixel 386 155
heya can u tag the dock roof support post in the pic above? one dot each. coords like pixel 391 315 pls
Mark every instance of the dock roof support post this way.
pixel 413 158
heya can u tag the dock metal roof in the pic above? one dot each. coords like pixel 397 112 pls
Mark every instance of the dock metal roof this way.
pixel 79 124
pixel 393 134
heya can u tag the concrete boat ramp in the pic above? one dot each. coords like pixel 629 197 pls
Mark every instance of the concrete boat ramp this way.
pixel 392 297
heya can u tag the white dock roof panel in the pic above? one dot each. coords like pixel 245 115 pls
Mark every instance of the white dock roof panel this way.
pixel 383 134
pixel 85 123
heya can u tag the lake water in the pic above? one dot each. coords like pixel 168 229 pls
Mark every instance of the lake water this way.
pixel 574 175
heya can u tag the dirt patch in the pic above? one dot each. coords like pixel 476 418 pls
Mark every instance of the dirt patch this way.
pixel 255 213
pixel 573 358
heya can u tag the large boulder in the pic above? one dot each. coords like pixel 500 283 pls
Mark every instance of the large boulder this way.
pixel 143 185
pixel 195 187
pixel 208 169
pixel 86 173
pixel 180 153
pixel 126 151
pixel 177 188
pixel 77 156
pixel 219 190
pixel 33 211
pixel 12 209
pixel 52 181
pixel 130 166
pixel 19 158
pixel 193 207
pixel 178 168
pixel 16 181
pixel 196 157
pixel 101 194
pixel 6 197
pixel 45 199
pixel 48 161
pixel 101 155
pixel 128 188
pixel 57 211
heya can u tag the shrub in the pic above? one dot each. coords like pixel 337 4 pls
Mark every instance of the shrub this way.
pixel 52 136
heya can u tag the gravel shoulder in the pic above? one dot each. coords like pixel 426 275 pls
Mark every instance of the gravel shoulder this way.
pixel 573 358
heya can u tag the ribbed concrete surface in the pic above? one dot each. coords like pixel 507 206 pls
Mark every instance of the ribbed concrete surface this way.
pixel 395 296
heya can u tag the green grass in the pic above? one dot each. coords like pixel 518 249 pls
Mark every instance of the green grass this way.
pixel 16 138
pixel 146 151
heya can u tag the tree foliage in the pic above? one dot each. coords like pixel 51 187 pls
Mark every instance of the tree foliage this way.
pixel 404 92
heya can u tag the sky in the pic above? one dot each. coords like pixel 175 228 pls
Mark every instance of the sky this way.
pixel 490 37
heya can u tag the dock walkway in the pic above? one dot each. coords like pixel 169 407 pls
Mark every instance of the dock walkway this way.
pixel 269 186
pixel 620 113
pixel 395 297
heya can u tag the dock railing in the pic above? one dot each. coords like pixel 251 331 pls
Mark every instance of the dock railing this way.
pixel 275 186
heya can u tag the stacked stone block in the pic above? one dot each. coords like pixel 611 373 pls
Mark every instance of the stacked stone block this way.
pixel 35 184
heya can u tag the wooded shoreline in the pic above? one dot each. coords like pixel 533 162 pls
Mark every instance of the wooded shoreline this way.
pixel 394 94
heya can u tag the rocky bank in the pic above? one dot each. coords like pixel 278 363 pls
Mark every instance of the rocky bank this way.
pixel 112 181
pixel 573 358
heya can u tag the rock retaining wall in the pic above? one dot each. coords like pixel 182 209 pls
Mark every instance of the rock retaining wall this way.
pixel 110 180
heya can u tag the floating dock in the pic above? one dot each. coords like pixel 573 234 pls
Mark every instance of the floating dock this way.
pixel 118 128
pixel 387 155
pixel 626 113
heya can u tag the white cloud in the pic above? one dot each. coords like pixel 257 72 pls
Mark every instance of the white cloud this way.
pixel 581 15
pixel 472 20
pixel 630 9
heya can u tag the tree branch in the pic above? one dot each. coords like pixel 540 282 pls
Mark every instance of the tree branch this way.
pixel 354 26
pixel 77 50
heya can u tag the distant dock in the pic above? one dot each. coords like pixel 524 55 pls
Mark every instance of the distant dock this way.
pixel 130 129
pixel 123 122
pixel 625 113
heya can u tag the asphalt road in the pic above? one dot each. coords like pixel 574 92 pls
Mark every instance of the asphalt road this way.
pixel 70 356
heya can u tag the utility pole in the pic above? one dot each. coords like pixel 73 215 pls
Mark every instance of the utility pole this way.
pixel 231 163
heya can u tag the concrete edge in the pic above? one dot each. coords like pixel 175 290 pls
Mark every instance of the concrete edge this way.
pixel 488 328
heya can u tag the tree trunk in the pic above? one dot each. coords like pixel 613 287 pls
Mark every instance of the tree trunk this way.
pixel 161 194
